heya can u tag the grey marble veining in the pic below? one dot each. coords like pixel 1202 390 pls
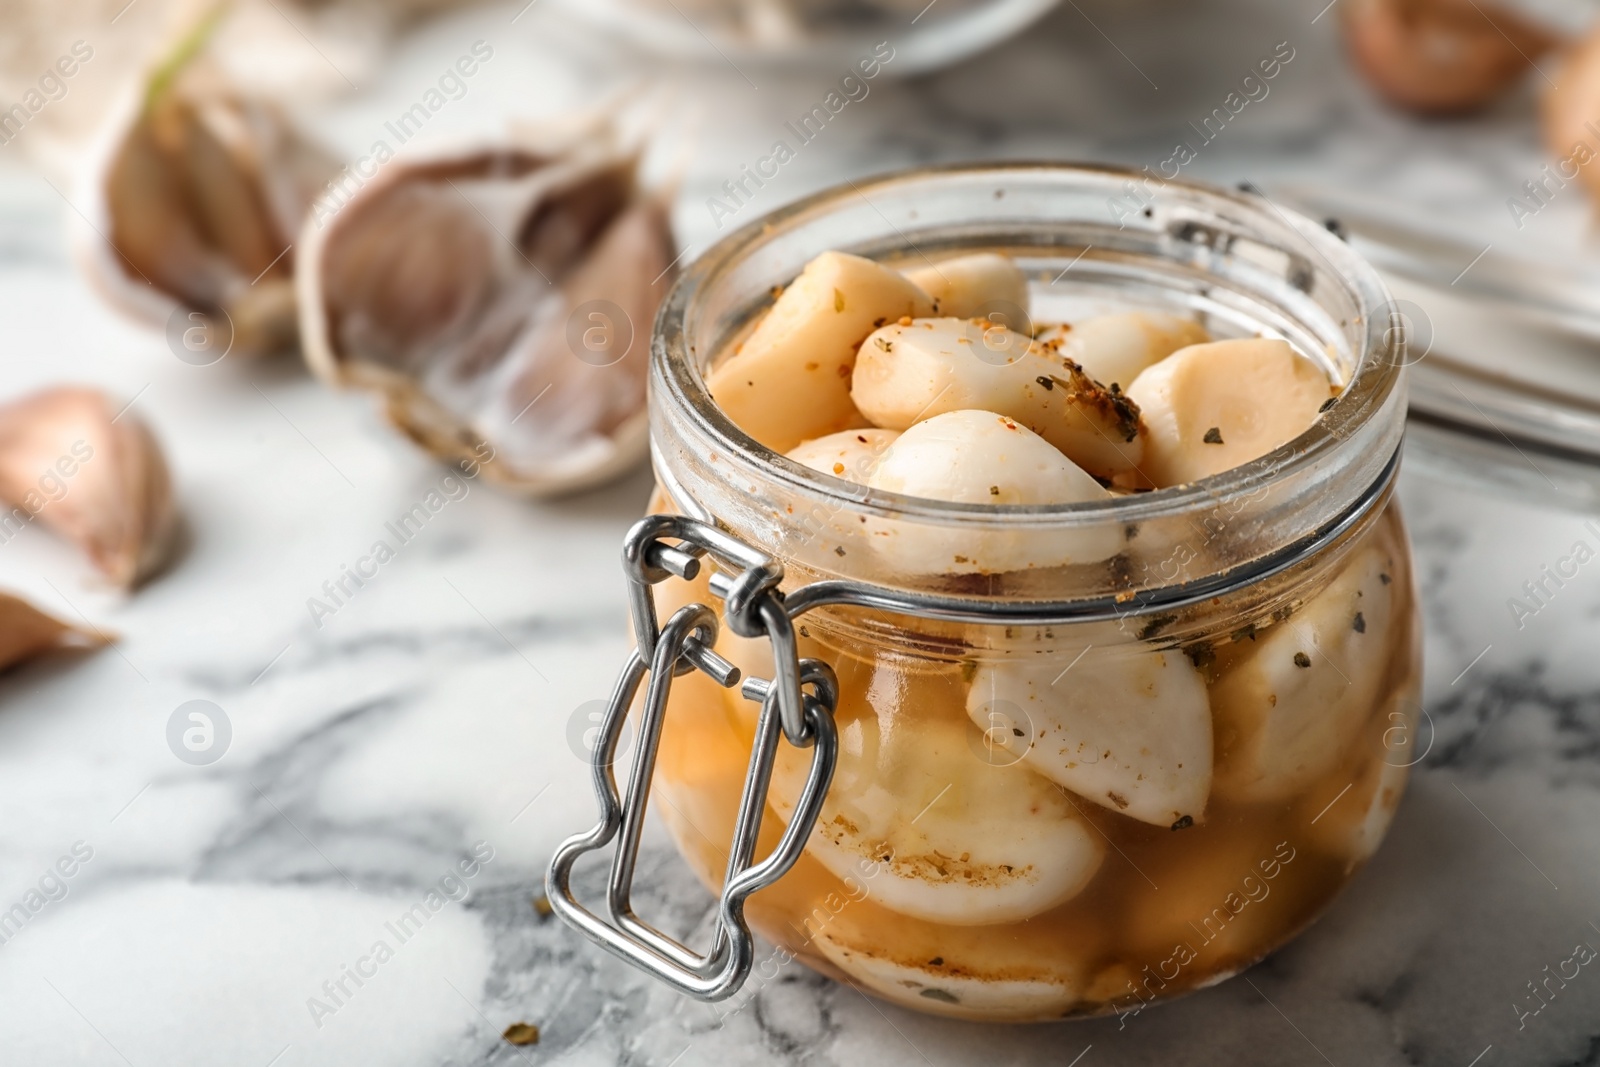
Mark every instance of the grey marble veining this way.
pixel 371 753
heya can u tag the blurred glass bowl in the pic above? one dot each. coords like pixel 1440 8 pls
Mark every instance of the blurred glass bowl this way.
pixel 812 33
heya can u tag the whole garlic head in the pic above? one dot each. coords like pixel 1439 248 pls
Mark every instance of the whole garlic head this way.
pixel 195 201
pixel 500 300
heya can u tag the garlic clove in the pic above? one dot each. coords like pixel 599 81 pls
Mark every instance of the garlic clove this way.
pixel 849 454
pixel 974 972
pixel 1212 407
pixel 26 633
pixel 1570 107
pixel 1287 712
pixel 97 477
pixel 1347 817
pixel 1115 349
pixel 1442 57
pixel 1131 732
pixel 194 204
pixel 909 372
pixel 976 286
pixel 978 457
pixel 960 840
pixel 790 379
pixel 500 301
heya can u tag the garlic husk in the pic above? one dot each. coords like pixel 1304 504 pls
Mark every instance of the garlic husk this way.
pixel 71 462
pixel 455 287
pixel 193 201
pixel 27 633
pixel 1441 57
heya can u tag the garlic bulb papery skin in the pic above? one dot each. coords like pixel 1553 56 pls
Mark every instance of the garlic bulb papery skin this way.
pixel 27 633
pixel 500 300
pixel 83 465
pixel 191 203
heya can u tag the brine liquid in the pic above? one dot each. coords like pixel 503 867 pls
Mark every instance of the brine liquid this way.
pixel 1168 909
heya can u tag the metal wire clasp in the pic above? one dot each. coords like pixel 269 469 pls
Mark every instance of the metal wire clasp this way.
pixel 798 702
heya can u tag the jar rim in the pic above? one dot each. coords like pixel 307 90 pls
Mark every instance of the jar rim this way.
pixel 1375 376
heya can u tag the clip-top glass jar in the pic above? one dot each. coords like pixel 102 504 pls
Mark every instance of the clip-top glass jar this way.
pixel 846 746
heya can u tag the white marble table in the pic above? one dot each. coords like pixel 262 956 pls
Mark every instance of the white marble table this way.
pixel 371 754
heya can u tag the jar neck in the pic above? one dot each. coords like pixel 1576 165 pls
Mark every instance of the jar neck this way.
pixel 1239 262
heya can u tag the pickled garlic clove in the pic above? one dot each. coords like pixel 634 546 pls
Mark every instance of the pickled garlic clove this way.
pixel 1227 897
pixel 974 972
pixel 959 840
pixel 1347 815
pixel 907 373
pixel 94 474
pixel 976 286
pixel 849 454
pixel 1212 407
pixel 790 379
pixel 500 300
pixel 1115 349
pixel 1287 711
pixel 1442 57
pixel 978 457
pixel 26 633
pixel 197 202
pixel 1131 732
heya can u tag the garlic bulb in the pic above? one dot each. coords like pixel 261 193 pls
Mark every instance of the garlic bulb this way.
pixel 1441 57
pixel 500 300
pixel 194 208
pixel 69 459
pixel 1570 109
pixel 27 632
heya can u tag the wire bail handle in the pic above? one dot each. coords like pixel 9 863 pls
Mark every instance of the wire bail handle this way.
pixel 798 703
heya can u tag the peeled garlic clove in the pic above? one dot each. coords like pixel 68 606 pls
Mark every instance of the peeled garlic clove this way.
pixel 1131 732
pixel 1209 408
pixel 500 300
pixel 1286 713
pixel 96 477
pixel 196 205
pixel 975 286
pixel 978 457
pixel 1348 817
pixel 1115 349
pixel 850 454
pixel 1442 57
pixel 906 373
pixel 27 632
pixel 959 840
pixel 790 379
pixel 975 972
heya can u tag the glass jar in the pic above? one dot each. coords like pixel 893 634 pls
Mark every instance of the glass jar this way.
pixel 1062 790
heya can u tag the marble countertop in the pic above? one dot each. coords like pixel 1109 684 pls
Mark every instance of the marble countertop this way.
pixel 426 724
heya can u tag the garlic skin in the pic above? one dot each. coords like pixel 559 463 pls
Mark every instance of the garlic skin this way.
pixel 27 633
pixel 910 372
pixel 1212 407
pixel 1129 731
pixel 192 203
pixel 1115 349
pixel 97 478
pixel 500 301
pixel 1571 104
pixel 1441 57
pixel 975 286
pixel 790 379
pixel 979 457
